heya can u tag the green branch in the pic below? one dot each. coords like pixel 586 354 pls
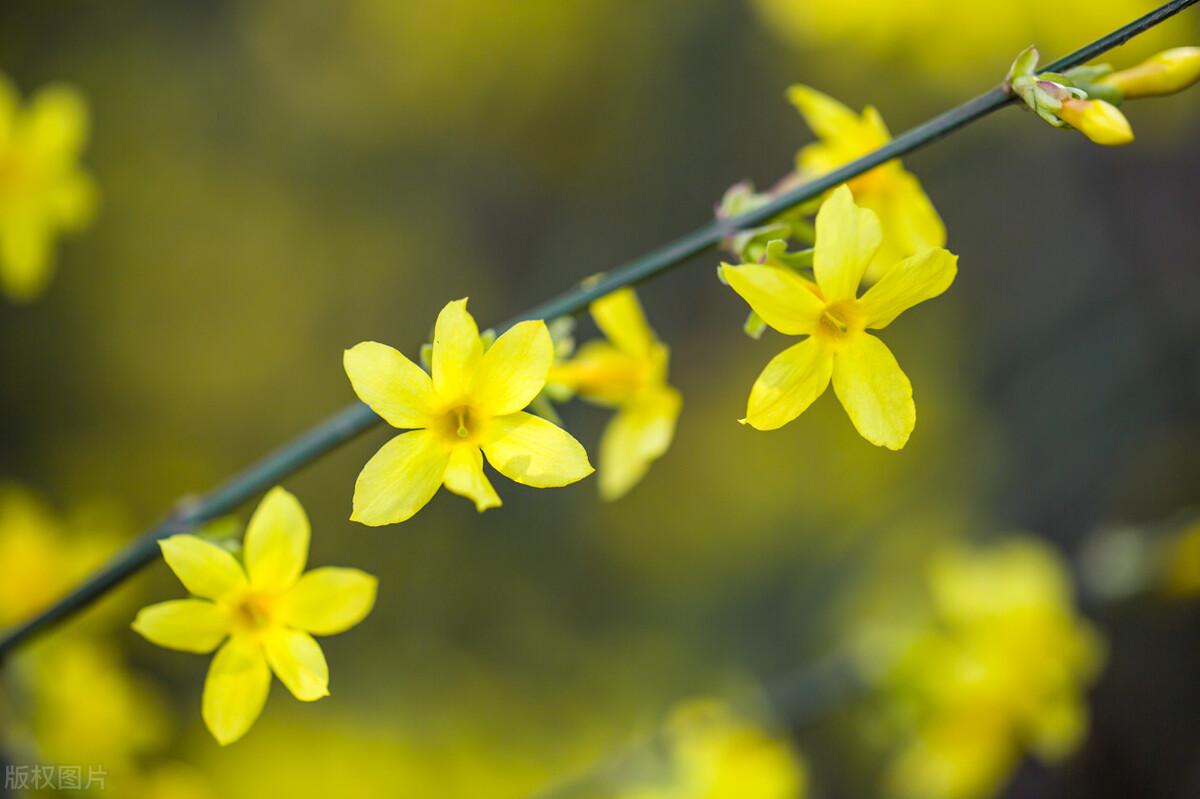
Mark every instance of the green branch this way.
pixel 356 418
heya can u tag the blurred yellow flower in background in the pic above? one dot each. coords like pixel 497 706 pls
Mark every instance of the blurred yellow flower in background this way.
pixel 910 222
pixel 266 609
pixel 944 42
pixel 714 754
pixel 43 190
pixel 866 378
pixel 628 372
pixel 471 406
pixel 1001 666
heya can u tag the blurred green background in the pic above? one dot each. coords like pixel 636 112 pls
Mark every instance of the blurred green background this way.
pixel 282 180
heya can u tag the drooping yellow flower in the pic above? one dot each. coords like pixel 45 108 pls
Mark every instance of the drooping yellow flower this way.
pixel 628 372
pixel 1100 121
pixel 1001 668
pixel 910 222
pixel 471 406
pixel 838 349
pixel 715 755
pixel 43 190
pixel 266 612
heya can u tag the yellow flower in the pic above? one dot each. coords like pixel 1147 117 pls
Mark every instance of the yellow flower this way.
pixel 43 191
pixel 910 222
pixel 627 372
pixel 1100 121
pixel 267 610
pixel 865 376
pixel 472 406
pixel 1164 73
pixel 1002 666
pixel 715 755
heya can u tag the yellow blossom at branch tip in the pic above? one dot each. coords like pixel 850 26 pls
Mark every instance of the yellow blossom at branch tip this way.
pixel 1100 121
pixel 909 221
pixel 263 609
pixel 471 406
pixel 627 372
pixel 1163 73
pixel 43 190
pixel 834 319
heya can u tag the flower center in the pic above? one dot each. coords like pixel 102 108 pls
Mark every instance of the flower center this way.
pixel 460 424
pixel 839 322
pixel 253 612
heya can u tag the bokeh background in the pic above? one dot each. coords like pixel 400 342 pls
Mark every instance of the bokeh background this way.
pixel 281 180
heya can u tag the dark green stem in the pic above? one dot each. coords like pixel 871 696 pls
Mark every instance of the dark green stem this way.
pixel 356 418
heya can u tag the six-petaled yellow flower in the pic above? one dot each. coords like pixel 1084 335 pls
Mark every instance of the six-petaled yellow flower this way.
pixel 628 372
pixel 266 612
pixel 43 190
pixel 910 222
pixel 471 406
pixel 838 349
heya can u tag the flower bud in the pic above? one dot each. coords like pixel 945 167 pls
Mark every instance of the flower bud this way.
pixel 1099 121
pixel 1165 73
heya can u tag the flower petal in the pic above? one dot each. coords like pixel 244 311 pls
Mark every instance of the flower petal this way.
pixel 789 384
pixel 276 541
pixel 328 600
pixel 620 317
pixel 529 450
pixel 298 662
pixel 638 434
pixel 465 477
pixel 235 689
pixel 912 281
pixel 189 625
pixel 203 567
pixel 783 299
pixel 395 387
pixel 910 223
pixel 400 478
pixel 457 350
pixel 513 370
pixel 875 392
pixel 827 117
pixel 847 238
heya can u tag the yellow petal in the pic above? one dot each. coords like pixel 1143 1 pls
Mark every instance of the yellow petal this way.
pixel 328 600
pixel 514 369
pixel 56 125
pixel 827 117
pixel 619 316
pixel 789 384
pixel 395 387
pixel 781 297
pixel 456 351
pixel 235 689
pixel 638 434
pixel 26 265
pixel 276 541
pixel 534 452
pixel 1100 121
pixel 400 479
pixel 190 625
pixel 465 477
pixel 874 391
pixel 847 238
pixel 912 281
pixel 204 568
pixel 908 218
pixel 298 662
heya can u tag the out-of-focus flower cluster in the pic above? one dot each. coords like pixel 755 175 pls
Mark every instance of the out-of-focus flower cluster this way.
pixel 996 663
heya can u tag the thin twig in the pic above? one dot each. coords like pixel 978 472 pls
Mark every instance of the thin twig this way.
pixel 356 418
